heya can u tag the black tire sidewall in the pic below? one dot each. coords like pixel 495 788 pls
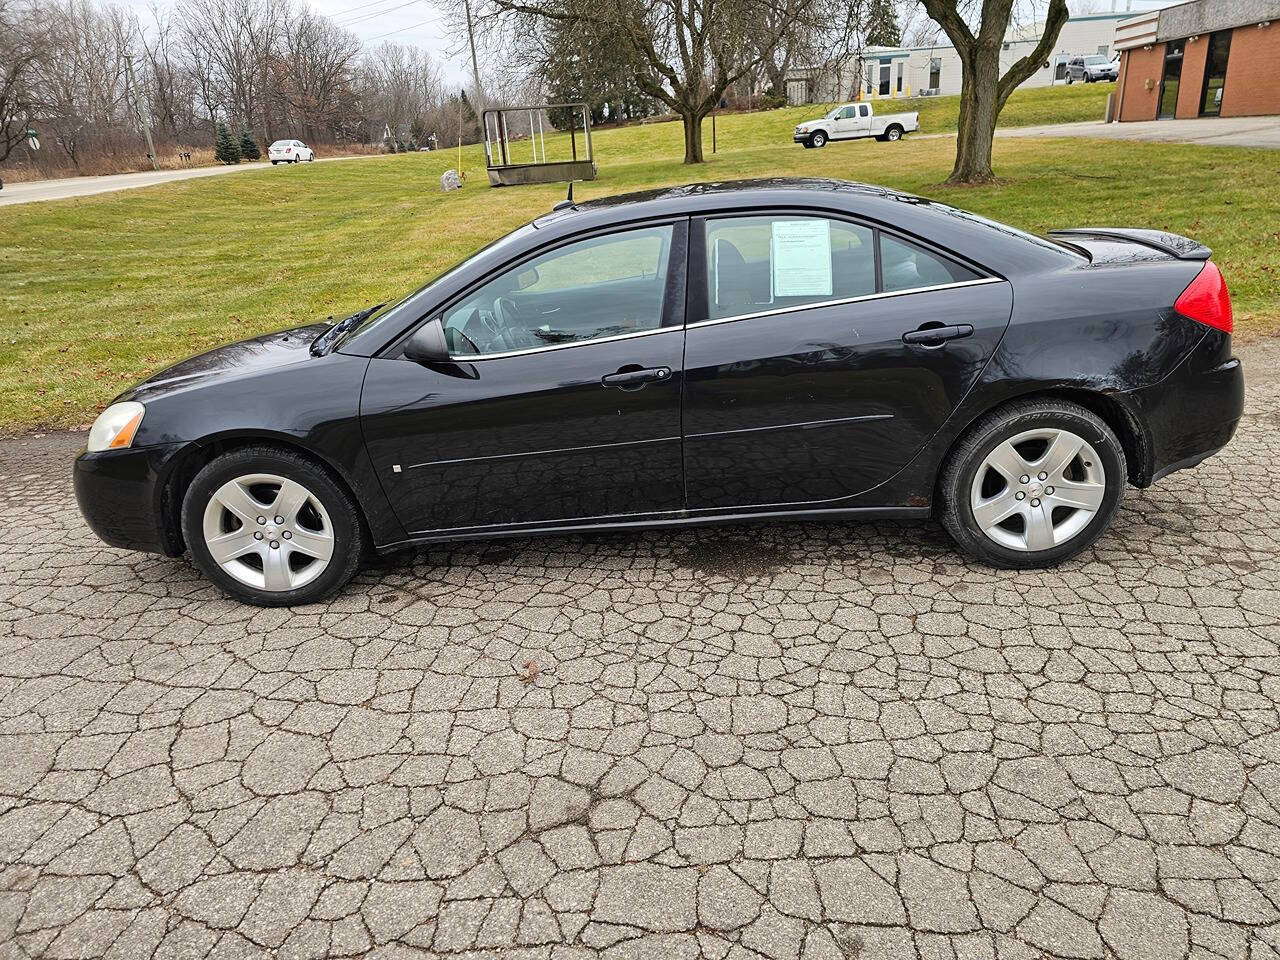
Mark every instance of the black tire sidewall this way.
pixel 958 516
pixel 819 140
pixel 348 534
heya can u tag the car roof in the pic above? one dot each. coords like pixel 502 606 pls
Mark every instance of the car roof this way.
pixel 697 198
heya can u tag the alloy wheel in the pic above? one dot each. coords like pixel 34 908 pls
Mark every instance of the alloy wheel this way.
pixel 1038 489
pixel 268 532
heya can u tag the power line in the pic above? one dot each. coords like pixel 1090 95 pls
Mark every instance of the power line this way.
pixel 356 8
pixel 411 26
pixel 377 13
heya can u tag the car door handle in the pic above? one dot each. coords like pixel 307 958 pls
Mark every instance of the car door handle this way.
pixel 936 336
pixel 634 378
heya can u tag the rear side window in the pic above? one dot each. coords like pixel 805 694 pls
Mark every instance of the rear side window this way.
pixel 905 266
pixel 758 264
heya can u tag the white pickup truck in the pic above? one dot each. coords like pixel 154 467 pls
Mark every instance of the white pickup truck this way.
pixel 852 121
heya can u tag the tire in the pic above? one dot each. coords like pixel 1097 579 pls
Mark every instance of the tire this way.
pixel 1070 79
pixel 893 134
pixel 1098 471
pixel 818 140
pixel 274 162
pixel 311 158
pixel 328 517
pixel 296 158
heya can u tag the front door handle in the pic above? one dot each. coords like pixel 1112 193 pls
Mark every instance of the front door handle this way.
pixel 937 335
pixel 633 378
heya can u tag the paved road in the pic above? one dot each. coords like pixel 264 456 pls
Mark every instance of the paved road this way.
pixel 1220 132
pixel 819 741
pixel 60 189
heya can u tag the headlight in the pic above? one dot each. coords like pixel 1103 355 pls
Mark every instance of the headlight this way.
pixel 115 426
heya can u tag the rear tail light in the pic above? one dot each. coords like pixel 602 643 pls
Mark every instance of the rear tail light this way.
pixel 1206 299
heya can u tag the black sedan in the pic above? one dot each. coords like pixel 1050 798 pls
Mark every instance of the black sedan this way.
pixel 719 352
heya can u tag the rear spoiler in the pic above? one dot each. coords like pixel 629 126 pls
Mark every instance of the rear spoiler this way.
pixel 1184 248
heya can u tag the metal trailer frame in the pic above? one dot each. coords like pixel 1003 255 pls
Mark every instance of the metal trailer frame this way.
pixel 505 171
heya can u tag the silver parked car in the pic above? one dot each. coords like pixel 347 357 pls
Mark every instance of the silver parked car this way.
pixel 1092 69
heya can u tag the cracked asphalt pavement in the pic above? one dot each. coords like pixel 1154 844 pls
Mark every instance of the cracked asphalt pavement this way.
pixel 792 741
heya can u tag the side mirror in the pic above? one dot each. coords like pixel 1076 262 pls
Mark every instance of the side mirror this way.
pixel 428 344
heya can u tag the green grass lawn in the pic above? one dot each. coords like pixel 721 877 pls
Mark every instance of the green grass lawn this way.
pixel 98 292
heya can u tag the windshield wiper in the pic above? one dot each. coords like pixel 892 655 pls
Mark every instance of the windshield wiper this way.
pixel 329 339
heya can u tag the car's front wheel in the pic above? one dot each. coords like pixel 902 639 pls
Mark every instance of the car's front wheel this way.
pixel 1032 484
pixel 272 528
pixel 818 140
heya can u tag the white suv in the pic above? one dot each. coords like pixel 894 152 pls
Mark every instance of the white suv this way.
pixel 290 151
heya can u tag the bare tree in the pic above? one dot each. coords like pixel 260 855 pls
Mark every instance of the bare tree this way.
pixel 232 42
pixel 22 40
pixel 823 39
pixel 984 90
pixel 687 53
pixel 313 71
pixel 79 86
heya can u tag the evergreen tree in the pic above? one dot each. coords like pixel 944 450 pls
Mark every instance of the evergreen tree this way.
pixel 225 148
pixel 249 147
pixel 583 62
pixel 882 25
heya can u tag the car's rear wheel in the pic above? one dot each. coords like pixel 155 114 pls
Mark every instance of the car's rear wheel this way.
pixel 818 140
pixel 1032 484
pixel 1071 78
pixel 272 528
pixel 893 133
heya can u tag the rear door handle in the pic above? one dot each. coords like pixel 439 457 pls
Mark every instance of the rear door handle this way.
pixel 634 379
pixel 936 336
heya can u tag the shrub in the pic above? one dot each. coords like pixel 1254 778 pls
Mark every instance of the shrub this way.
pixel 225 148
pixel 249 147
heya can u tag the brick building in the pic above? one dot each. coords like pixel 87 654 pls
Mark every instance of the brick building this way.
pixel 1205 58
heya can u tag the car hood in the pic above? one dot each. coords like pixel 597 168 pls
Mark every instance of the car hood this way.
pixel 235 359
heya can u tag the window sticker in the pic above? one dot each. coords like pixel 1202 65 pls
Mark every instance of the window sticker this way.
pixel 801 255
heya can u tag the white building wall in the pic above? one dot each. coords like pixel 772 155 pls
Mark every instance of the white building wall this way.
pixel 1080 36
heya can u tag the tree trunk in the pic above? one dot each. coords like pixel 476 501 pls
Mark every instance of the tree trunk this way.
pixel 979 108
pixel 692 137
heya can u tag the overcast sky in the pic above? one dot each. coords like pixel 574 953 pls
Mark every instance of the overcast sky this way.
pixel 419 23
pixel 414 22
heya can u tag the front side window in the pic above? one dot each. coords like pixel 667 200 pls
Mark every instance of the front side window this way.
pixel 601 287
pixel 762 264
pixel 847 113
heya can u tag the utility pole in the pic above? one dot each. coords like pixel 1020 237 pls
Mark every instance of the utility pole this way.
pixel 475 64
pixel 137 105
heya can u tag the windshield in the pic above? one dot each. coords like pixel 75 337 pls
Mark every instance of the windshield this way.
pixel 1093 61
pixel 398 308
